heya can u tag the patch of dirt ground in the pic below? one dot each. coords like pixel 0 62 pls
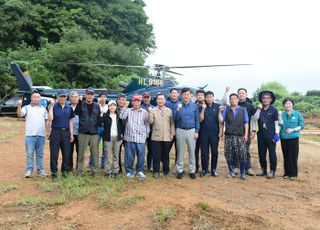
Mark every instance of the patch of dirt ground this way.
pixel 164 203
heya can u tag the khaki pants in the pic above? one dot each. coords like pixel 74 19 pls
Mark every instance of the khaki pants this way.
pixel 111 149
pixel 184 137
pixel 92 141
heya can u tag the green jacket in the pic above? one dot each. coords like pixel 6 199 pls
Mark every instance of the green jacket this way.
pixel 291 122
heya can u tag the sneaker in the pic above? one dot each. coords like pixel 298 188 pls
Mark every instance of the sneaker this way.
pixel 42 173
pixel 231 175
pixel 243 177
pixel 294 178
pixel 203 173
pixel 169 174
pixel 250 172
pixel 28 174
pixel 141 175
pixel 236 171
pixel 156 175
pixel 179 175
pixel 262 173
pixel 115 175
pixel 214 174
pixel 271 175
pixel 285 177
pixel 130 175
pixel 193 176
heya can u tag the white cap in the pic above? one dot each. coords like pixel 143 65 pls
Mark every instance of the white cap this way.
pixel 112 102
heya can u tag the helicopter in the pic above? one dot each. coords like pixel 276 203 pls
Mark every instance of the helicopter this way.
pixel 161 82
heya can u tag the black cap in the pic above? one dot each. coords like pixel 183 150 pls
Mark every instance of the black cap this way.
pixel 62 93
pixel 120 95
pixel 90 90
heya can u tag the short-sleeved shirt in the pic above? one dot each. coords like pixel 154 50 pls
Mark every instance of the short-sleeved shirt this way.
pixel 235 113
pixel 267 119
pixel 210 124
pixel 36 117
pixel 62 116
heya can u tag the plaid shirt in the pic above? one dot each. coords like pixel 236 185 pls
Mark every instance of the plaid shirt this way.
pixel 137 127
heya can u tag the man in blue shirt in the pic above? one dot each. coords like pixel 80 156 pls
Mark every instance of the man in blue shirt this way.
pixel 186 117
pixel 268 134
pixel 209 134
pixel 61 135
pixel 236 121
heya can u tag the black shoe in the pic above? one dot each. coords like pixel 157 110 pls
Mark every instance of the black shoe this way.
pixel 271 175
pixel 53 176
pixel 202 174
pixel 156 175
pixel 114 175
pixel 107 175
pixel 180 175
pixel 193 176
pixel 262 173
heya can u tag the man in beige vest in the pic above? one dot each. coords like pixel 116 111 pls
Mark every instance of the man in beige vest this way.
pixel 161 118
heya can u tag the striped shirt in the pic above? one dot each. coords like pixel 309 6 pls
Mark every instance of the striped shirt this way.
pixel 137 127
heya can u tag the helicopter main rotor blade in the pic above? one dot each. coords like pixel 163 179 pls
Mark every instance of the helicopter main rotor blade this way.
pixel 170 71
pixel 203 66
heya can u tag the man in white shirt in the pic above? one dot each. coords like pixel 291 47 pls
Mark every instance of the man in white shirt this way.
pixel 36 125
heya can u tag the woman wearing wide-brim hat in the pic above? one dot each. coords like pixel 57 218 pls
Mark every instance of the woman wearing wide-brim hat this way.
pixel 268 133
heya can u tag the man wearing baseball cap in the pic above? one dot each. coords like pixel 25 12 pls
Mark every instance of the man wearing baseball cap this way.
pixel 61 135
pixel 89 119
pixel 136 132
pixel 146 98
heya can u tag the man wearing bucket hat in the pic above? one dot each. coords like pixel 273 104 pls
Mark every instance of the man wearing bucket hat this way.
pixel 136 132
pixel 268 134
pixel 89 119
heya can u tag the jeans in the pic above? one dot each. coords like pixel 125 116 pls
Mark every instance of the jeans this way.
pixel 34 144
pixel 100 135
pixel 132 148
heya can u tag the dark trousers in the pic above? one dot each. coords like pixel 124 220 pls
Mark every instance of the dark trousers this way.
pixel 236 160
pixel 173 142
pixel 73 144
pixel 211 141
pixel 265 143
pixel 290 150
pixel 198 144
pixel 59 139
pixel 150 152
pixel 160 150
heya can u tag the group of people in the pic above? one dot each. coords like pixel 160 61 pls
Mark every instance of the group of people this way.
pixel 198 125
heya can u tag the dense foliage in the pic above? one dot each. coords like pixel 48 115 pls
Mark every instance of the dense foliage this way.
pixel 42 35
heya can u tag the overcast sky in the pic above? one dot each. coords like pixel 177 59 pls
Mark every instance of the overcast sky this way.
pixel 281 39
